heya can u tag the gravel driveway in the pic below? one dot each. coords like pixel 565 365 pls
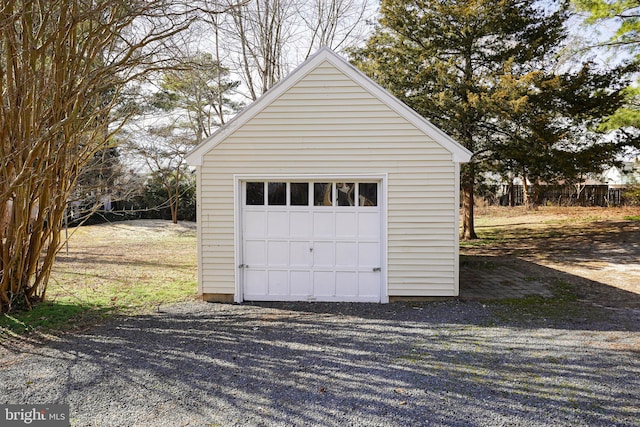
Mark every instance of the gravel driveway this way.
pixel 446 363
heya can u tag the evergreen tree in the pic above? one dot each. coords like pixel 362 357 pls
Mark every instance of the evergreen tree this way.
pixel 625 14
pixel 193 101
pixel 554 133
pixel 199 93
pixel 449 61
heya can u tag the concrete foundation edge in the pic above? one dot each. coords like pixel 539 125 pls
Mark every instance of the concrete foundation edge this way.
pixel 228 298
pixel 217 298
pixel 418 299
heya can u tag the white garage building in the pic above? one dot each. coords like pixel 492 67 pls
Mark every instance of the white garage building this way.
pixel 327 188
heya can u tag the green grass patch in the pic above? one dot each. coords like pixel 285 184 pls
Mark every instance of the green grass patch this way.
pixel 476 263
pixel 91 305
pixel 132 297
pixel 47 317
pixel 632 218
pixel 563 306
pixel 487 237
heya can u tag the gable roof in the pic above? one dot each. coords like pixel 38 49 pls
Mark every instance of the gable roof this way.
pixel 459 153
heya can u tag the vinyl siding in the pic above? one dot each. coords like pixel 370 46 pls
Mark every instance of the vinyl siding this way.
pixel 326 124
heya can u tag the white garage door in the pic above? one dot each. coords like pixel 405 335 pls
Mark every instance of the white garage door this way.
pixel 311 241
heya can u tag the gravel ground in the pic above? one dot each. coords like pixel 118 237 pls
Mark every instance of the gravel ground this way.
pixel 445 363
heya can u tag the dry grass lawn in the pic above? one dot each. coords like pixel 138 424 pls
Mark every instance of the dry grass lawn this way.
pixel 131 263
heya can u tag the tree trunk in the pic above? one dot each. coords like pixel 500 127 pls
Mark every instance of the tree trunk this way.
pixel 529 197
pixel 174 201
pixel 468 170
pixel 581 196
pixel 468 226
pixel 174 209
pixel 512 193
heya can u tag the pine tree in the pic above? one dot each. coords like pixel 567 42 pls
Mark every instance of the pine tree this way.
pixel 554 134
pixel 624 14
pixel 448 61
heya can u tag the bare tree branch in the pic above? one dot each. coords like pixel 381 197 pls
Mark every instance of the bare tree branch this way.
pixel 63 65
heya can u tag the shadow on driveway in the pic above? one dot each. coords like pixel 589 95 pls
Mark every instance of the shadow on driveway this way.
pixel 447 363
pixel 600 264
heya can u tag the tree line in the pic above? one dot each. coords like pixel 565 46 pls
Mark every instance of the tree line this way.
pixel 91 89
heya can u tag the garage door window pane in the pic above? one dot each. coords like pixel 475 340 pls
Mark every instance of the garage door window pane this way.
pixel 277 193
pixel 299 194
pixel 255 193
pixel 322 195
pixel 346 193
pixel 368 194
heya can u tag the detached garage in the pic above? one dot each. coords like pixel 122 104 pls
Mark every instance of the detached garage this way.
pixel 327 188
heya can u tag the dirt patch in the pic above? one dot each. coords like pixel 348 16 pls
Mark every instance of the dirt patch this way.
pixel 595 249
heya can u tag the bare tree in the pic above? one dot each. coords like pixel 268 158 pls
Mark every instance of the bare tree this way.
pixel 336 24
pixel 259 29
pixel 63 64
pixel 265 38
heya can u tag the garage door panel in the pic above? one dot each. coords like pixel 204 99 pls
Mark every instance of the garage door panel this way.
pixel 369 225
pixel 323 225
pixel 324 254
pixel 277 253
pixel 277 224
pixel 300 284
pixel 299 254
pixel 255 282
pixel 346 225
pixel 346 254
pixel 278 282
pixel 300 224
pixel 369 284
pixel 369 254
pixel 324 283
pixel 255 253
pixel 346 284
pixel 254 224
